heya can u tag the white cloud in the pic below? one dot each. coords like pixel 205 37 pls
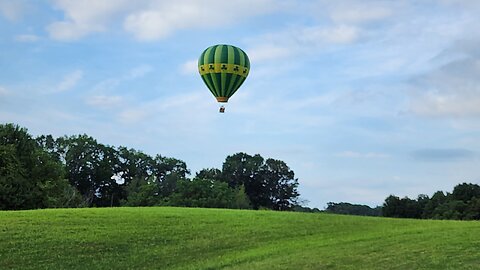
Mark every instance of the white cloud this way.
pixel 462 3
pixel 68 31
pixel 338 34
pixel 267 52
pixel 437 105
pixel 354 13
pixel 105 102
pixel 12 10
pixel 3 91
pixel 189 67
pixel 70 81
pixel 133 115
pixel 112 83
pixel 26 38
pixel 84 17
pixel 353 154
pixel 301 40
pixel 176 111
pixel 161 19
pixel 148 25
pixel 453 89
pixel 151 19
pixel 138 72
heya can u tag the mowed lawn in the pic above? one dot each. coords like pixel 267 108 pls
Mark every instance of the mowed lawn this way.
pixel 188 238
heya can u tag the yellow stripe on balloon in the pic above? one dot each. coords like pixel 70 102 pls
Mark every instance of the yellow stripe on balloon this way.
pixel 223 68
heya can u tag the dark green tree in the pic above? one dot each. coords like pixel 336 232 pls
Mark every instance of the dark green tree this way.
pixel 15 189
pixel 352 209
pixel 29 176
pixel 242 169
pixel 392 207
pixel 452 209
pixel 91 168
pixel 402 208
pixel 210 173
pixel 241 200
pixel 268 183
pixel 437 199
pixel 281 184
pixel 167 173
pixel 472 211
pixel 465 192
pixel 133 164
pixel 142 192
pixel 203 193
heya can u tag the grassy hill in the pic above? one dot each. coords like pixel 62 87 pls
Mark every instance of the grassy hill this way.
pixel 180 238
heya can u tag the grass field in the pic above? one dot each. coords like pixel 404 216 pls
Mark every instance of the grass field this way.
pixel 181 238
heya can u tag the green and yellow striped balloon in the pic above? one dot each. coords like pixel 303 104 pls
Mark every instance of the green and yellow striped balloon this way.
pixel 223 68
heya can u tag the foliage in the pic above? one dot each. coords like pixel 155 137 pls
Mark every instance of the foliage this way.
pixel 241 200
pixel 352 209
pixel 72 171
pixel 463 204
pixel 202 193
pixel 29 176
pixel 109 176
pixel 141 192
pixel 210 173
pixel 268 183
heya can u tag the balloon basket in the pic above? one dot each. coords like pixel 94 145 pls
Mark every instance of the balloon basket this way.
pixel 221 109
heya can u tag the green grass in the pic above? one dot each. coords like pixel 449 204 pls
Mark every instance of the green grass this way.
pixel 181 238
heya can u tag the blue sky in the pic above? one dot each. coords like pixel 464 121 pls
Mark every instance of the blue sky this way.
pixel 362 99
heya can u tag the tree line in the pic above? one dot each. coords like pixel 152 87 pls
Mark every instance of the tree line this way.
pixel 78 171
pixel 463 203
pixel 346 208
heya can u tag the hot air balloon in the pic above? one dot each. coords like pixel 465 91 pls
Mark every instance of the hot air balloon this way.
pixel 223 68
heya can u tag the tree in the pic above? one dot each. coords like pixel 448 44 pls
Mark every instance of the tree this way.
pixel 465 192
pixel 243 169
pixel 91 168
pixel 437 199
pixel 211 173
pixel 462 203
pixel 281 184
pixel 391 207
pixel 133 164
pixel 472 210
pixel 167 172
pixel 142 192
pixel 203 193
pixel 268 183
pixel 241 200
pixel 28 174
pixel 402 208
pixel 453 209
pixel 14 186
pixel 352 209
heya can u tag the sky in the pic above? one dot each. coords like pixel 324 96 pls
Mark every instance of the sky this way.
pixel 361 98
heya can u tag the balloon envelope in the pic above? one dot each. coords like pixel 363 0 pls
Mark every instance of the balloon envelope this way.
pixel 223 68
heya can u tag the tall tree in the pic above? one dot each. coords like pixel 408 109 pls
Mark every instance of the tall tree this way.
pixel 391 207
pixel 204 193
pixel 26 171
pixel 281 184
pixel 268 183
pixel 210 173
pixel 465 192
pixel 134 164
pixel 91 168
pixel 243 169
pixel 167 172
pixel 438 198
